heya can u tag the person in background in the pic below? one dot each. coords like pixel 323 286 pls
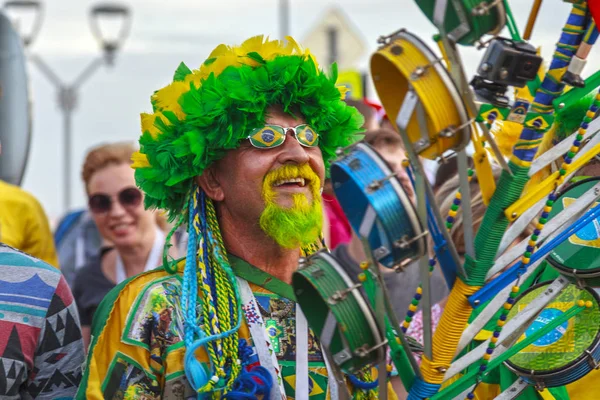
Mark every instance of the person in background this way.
pixel 448 169
pixel 445 195
pixel 368 111
pixel 336 228
pixel 401 285
pixel 41 349
pixel 77 242
pixel 24 224
pixel 591 169
pixel 132 239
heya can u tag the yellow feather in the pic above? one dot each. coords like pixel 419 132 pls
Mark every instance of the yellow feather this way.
pixel 167 98
pixel 147 122
pixel 225 56
pixel 293 45
pixel 236 56
pixel 219 51
pixel 139 160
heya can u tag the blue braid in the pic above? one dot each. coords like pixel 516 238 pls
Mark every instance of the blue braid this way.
pixel 194 371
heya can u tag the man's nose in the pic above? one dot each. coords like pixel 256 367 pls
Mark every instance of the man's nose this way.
pixel 293 151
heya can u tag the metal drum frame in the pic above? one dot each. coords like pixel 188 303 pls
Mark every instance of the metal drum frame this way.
pixel 407 66
pixel 383 214
pixel 340 316
pixel 571 371
pixel 465 21
pixel 590 277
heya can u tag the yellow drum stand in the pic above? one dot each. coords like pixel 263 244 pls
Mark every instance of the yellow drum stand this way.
pixel 406 71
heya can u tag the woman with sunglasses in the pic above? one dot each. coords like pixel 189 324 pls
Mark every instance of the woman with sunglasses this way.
pixel 133 240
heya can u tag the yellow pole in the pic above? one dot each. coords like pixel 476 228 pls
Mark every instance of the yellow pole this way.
pixel 535 9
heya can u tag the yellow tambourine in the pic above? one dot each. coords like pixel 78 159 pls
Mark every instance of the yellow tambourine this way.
pixel 408 76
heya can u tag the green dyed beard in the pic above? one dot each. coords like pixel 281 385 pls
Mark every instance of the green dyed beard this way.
pixel 297 226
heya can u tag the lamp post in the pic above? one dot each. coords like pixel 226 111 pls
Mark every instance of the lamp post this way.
pixel 67 93
pixel 284 18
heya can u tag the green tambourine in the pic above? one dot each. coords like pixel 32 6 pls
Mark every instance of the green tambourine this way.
pixel 566 353
pixel 578 257
pixel 338 313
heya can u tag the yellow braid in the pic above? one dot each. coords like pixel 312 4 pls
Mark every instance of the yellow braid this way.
pixel 224 291
pixel 208 308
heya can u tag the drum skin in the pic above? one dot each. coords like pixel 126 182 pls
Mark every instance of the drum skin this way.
pixel 315 284
pixel 352 176
pixel 578 257
pixel 491 22
pixel 393 67
pixel 559 357
pixel 15 110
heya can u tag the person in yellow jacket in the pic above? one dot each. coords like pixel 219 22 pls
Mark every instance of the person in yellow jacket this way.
pixel 24 224
pixel 238 149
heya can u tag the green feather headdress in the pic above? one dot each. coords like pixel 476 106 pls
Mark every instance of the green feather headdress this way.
pixel 206 112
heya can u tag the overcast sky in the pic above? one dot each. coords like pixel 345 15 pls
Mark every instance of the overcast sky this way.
pixel 165 33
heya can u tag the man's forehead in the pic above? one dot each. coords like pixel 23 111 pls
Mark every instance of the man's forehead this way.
pixel 277 113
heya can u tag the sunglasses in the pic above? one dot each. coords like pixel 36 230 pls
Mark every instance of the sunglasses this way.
pixel 102 203
pixel 270 136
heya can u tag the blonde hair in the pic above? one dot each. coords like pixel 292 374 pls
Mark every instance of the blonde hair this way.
pixel 104 155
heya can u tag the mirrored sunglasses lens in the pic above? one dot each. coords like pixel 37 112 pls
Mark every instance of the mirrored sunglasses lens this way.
pixel 307 136
pixel 267 137
pixel 99 203
pixel 130 197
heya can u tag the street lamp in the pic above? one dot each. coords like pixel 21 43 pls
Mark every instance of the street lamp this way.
pixel 102 17
pixel 284 18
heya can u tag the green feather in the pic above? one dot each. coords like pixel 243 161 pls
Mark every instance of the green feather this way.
pixel 221 111
pixel 181 72
pixel 256 57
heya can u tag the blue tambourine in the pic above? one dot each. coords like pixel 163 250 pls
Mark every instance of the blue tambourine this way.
pixel 377 206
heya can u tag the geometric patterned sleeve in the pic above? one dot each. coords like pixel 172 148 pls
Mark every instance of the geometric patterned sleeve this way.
pixel 132 329
pixel 59 355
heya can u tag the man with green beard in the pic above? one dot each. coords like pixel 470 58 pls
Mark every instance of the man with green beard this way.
pixel 238 150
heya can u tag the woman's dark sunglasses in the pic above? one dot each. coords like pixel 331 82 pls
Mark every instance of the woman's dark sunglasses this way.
pixel 128 198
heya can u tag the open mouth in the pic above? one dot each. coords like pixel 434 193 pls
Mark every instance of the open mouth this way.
pixel 121 227
pixel 292 182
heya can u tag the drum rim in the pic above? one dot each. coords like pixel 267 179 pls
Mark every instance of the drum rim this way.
pixel 444 74
pixel 567 367
pixel 366 309
pixel 501 10
pixel 593 273
pixel 400 192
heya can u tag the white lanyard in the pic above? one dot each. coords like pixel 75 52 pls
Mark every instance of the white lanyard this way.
pixel 151 263
pixel 264 349
pixel 268 358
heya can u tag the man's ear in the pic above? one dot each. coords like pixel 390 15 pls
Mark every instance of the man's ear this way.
pixel 210 184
